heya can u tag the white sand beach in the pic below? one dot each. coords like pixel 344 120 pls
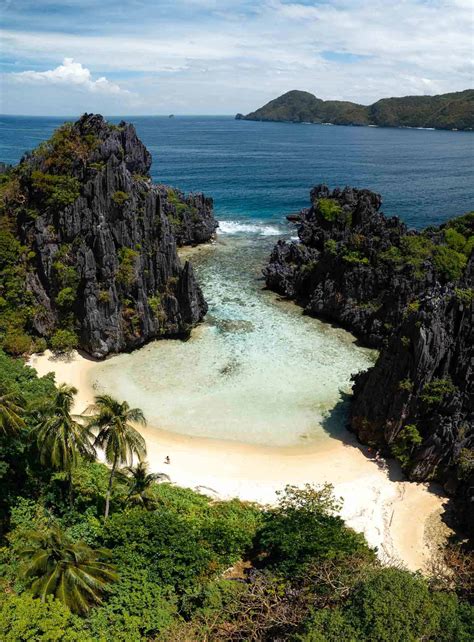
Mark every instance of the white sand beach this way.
pixel 391 513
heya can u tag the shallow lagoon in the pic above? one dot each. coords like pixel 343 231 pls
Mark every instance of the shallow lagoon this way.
pixel 257 370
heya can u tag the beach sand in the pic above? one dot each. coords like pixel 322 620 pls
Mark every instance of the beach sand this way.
pixel 392 513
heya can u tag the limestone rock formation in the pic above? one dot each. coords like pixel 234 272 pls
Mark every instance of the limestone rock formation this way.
pixel 410 294
pixel 102 261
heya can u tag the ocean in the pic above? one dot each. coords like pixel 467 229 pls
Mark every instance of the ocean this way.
pixel 258 172
pixel 257 370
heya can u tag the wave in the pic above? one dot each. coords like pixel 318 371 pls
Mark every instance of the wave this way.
pixel 236 227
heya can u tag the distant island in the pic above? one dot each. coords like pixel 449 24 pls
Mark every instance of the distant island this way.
pixel 453 111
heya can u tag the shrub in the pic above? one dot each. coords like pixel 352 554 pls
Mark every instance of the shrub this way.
pixel 466 462
pixel 119 198
pixel 16 342
pixel 331 247
pixel 127 262
pixel 23 617
pixel 355 257
pixel 64 341
pixel 303 528
pixel 329 209
pixel 454 239
pixel 58 191
pixel 407 439
pixel 449 262
pixel 66 297
pixel 406 384
pixel 435 391
pixel 464 296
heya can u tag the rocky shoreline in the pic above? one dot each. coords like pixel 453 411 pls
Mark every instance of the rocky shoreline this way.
pixel 410 294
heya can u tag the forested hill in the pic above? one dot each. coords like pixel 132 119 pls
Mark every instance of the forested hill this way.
pixel 446 111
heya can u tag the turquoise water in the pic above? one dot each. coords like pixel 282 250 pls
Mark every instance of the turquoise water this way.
pixel 257 370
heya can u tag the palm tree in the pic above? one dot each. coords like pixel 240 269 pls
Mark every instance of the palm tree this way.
pixel 73 572
pixel 11 408
pixel 61 439
pixel 140 483
pixel 115 435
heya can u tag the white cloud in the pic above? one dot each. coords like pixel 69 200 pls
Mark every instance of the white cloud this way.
pixel 70 74
pixel 224 56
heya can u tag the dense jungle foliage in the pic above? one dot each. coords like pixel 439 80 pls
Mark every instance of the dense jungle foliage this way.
pixel 170 564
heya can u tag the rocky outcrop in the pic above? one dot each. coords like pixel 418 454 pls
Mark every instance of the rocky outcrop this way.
pixel 353 265
pixel 102 240
pixel 411 295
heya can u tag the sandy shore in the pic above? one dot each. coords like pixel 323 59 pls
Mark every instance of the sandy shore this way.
pixel 391 513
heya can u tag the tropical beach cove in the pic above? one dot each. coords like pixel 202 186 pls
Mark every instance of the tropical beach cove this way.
pixel 200 419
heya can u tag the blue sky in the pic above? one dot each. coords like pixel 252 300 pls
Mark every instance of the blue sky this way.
pixel 225 56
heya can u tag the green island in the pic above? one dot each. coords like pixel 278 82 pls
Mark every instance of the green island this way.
pixel 445 111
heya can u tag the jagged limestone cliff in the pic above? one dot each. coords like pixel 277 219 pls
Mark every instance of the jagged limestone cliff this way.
pixel 411 295
pixel 88 245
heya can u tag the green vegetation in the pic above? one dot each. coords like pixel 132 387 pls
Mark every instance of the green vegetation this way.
pixel 127 266
pixel 406 384
pixel 329 209
pixel 64 341
pixel 116 435
pixel 407 440
pixel 465 295
pixel 355 257
pixel 120 198
pixel 164 564
pixel 434 393
pixel 330 247
pixel 445 111
pixel 54 190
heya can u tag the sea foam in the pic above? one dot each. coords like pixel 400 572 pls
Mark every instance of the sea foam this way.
pixel 238 227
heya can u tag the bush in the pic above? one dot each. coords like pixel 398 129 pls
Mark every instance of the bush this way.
pixel 120 198
pixel 407 439
pixel 435 392
pixel 64 341
pixel 304 527
pixel 57 191
pixel 329 209
pixel 23 617
pixel 127 264
pixel 450 263
pixel 355 257
pixel 66 297
pixel 331 247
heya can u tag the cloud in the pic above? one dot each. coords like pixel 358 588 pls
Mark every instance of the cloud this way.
pixel 70 74
pixel 224 56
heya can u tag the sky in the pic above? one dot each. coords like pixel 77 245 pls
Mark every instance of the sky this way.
pixel 226 56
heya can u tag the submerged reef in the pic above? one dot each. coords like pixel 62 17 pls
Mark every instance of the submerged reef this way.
pixel 409 294
pixel 88 245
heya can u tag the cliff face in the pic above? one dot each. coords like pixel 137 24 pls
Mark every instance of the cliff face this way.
pixel 102 261
pixel 411 295
pixel 445 111
pixel 353 265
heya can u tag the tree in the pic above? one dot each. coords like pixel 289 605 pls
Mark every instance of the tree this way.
pixel 11 408
pixel 116 435
pixel 61 439
pixel 74 573
pixel 140 483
